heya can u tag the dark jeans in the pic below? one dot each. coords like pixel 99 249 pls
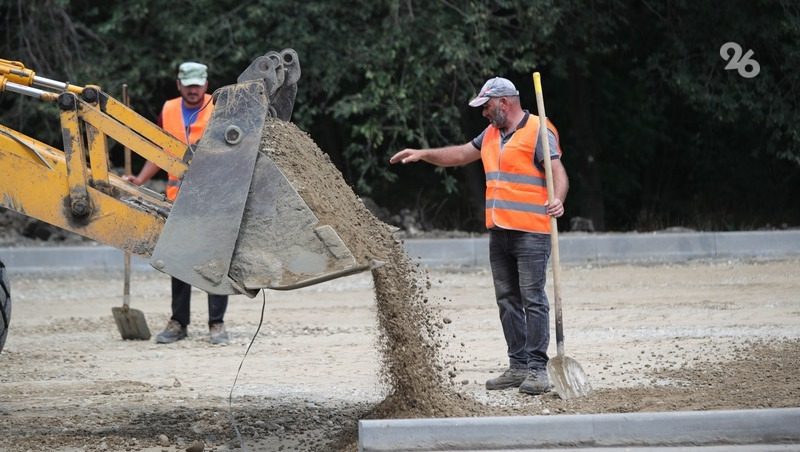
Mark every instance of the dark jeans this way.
pixel 519 268
pixel 181 298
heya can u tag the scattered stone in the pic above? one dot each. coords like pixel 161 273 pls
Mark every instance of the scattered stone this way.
pixel 196 446
pixel 163 440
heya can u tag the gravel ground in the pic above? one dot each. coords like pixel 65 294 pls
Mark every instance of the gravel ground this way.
pixel 693 336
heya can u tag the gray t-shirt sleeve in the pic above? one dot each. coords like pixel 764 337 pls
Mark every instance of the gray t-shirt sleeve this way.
pixel 551 137
pixel 478 141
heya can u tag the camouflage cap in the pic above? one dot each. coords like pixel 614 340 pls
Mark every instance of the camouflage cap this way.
pixel 191 73
pixel 494 87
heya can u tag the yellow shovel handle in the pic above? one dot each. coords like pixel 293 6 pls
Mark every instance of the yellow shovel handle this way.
pixel 554 252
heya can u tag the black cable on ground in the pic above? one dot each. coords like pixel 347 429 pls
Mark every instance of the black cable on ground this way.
pixel 230 395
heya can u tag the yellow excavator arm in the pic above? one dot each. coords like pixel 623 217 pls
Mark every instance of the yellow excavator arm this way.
pixel 73 188
pixel 207 230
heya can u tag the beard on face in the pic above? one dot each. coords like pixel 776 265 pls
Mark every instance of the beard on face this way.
pixel 498 117
pixel 192 98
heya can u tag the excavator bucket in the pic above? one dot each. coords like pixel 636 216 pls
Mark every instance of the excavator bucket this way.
pixel 238 224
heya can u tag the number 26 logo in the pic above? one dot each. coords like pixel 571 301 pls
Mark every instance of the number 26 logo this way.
pixel 739 62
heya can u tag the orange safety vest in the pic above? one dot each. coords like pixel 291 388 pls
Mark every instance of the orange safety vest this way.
pixel 516 189
pixel 172 122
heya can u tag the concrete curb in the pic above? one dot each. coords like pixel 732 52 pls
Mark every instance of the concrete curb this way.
pixel 670 429
pixel 474 252
pixel 65 258
pixel 629 247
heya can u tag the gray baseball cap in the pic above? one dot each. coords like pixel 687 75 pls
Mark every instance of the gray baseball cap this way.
pixel 494 87
pixel 191 73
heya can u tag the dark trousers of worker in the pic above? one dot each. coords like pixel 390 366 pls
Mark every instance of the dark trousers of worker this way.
pixel 519 268
pixel 181 299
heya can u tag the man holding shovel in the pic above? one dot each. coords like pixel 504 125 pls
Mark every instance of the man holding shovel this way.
pixel 518 219
pixel 186 118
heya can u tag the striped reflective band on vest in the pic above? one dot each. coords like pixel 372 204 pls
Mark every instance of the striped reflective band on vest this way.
pixel 516 190
pixel 511 205
pixel 516 178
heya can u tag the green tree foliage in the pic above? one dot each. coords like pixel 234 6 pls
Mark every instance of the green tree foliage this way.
pixel 656 132
pixel 738 136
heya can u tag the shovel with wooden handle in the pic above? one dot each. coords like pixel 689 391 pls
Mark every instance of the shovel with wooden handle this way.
pixel 130 322
pixel 565 373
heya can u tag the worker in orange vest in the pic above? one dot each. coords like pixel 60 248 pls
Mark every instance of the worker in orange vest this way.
pixel 186 118
pixel 518 220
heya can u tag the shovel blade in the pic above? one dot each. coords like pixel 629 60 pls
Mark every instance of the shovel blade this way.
pixel 567 377
pixel 131 323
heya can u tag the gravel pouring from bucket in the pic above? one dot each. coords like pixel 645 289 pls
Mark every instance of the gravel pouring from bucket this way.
pixel 566 374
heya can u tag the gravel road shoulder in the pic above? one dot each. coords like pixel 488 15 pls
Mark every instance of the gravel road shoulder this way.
pixel 694 336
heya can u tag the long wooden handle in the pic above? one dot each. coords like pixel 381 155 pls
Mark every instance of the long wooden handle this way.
pixel 127 101
pixel 126 287
pixel 548 171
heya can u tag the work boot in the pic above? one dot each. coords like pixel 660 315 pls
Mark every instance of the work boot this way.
pixel 536 383
pixel 172 333
pixel 511 378
pixel 218 334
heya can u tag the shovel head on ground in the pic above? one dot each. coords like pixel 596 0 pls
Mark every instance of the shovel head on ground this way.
pixel 131 323
pixel 567 377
